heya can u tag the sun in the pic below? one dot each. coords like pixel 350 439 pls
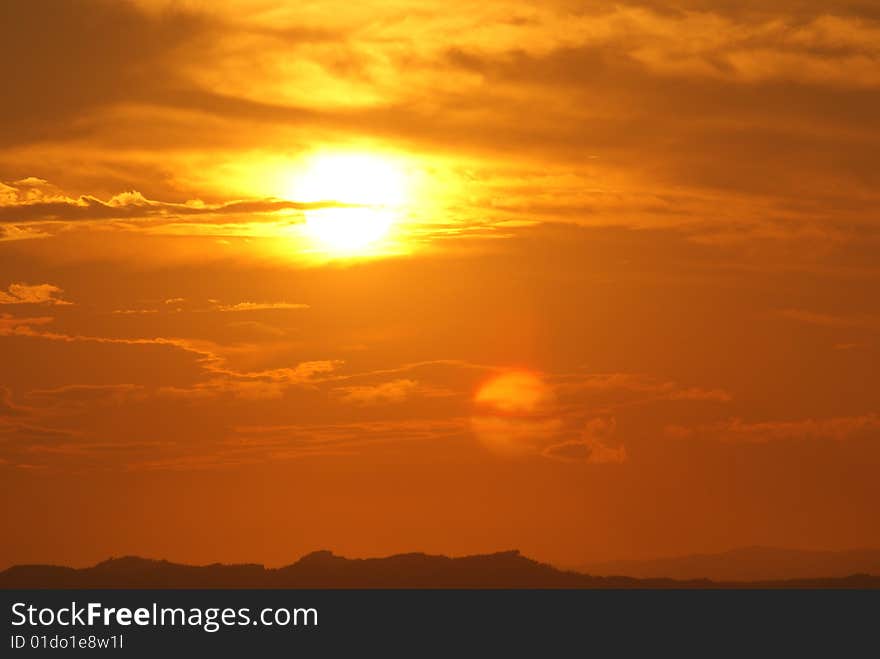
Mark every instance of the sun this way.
pixel 361 198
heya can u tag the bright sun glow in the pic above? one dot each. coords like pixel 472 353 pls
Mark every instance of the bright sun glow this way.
pixel 371 191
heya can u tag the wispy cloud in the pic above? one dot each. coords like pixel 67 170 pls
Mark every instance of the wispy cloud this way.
pixel 266 383
pixel 736 430
pixel 33 294
pixel 394 391
pixel 254 385
pixel 597 445
pixel 867 321
pixel 86 395
pixel 33 201
pixel 260 306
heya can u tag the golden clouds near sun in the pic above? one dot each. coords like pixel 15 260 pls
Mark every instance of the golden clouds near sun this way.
pixel 514 412
pixel 362 197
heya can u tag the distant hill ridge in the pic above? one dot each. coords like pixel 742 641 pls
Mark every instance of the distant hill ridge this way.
pixel 748 564
pixel 323 569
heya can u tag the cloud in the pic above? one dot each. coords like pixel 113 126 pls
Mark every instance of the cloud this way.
pixel 222 379
pixel 92 54
pixel 293 440
pixel 84 395
pixel 28 202
pixel 7 407
pixel 246 389
pixel 32 327
pixel 595 445
pixel 258 444
pixel 516 436
pixel 867 321
pixel 25 434
pixel 260 306
pixel 11 325
pixel 20 427
pixel 847 346
pixel 255 328
pixel 252 385
pixel 651 386
pixel 694 113
pixel 425 366
pixel 10 233
pixel 736 430
pixel 33 294
pixel 394 391
pixel 178 304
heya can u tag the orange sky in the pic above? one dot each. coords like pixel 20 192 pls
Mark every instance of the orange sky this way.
pixel 589 280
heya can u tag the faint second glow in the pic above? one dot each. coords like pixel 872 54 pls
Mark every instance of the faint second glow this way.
pixel 514 413
pixel 516 392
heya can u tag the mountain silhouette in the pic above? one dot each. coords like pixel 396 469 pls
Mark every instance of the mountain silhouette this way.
pixel 323 569
pixel 748 564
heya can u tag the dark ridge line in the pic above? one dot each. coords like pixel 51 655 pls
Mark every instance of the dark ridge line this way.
pixel 325 570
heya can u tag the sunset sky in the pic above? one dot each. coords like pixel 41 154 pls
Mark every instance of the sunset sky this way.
pixel 584 279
